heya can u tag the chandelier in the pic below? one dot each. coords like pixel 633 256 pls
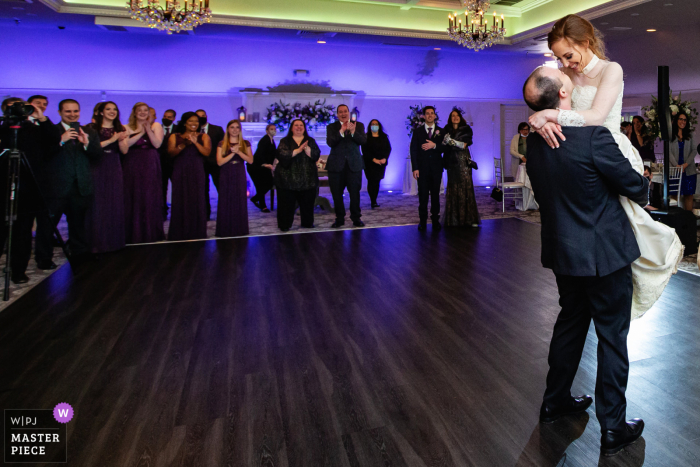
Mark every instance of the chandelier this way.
pixel 171 18
pixel 476 34
pixel 476 5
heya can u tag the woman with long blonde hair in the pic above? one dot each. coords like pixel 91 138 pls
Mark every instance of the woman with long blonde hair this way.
pixel 232 213
pixel 143 197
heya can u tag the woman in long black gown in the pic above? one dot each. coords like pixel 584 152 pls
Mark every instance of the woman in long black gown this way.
pixel 260 170
pixel 375 152
pixel 460 200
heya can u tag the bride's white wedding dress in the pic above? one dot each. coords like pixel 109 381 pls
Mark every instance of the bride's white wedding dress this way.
pixel 659 244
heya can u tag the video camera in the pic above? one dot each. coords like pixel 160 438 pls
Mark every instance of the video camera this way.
pixel 17 112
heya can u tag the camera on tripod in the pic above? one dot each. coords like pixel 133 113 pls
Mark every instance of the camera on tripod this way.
pixel 17 112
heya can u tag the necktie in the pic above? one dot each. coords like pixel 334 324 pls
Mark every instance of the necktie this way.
pixel 430 133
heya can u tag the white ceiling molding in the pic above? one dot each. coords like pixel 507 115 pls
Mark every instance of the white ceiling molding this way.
pixel 593 13
pixel 447 5
pixel 528 5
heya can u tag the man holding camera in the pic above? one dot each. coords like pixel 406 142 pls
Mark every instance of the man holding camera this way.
pixel 36 137
pixel 345 165
pixel 67 180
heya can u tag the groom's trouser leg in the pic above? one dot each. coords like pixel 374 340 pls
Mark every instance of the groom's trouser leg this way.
pixel 568 338
pixel 611 303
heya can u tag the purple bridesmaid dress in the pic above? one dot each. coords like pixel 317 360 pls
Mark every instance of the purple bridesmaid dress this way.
pixel 105 218
pixel 143 195
pixel 188 215
pixel 232 213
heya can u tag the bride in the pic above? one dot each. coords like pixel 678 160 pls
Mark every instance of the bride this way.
pixel 597 100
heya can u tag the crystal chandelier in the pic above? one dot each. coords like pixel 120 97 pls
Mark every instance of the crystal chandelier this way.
pixel 476 34
pixel 476 5
pixel 171 18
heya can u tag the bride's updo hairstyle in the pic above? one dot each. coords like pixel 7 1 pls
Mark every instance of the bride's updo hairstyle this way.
pixel 577 30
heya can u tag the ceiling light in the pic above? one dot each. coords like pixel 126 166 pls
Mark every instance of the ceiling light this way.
pixel 320 42
pixel 547 55
pixel 437 48
pixel 651 30
pixel 634 14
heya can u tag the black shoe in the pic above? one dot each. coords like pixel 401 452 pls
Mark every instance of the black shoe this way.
pixel 46 265
pixel 337 224
pixel 614 441
pixel 358 223
pixel 308 226
pixel 437 226
pixel 576 405
pixel 422 226
pixel 265 210
pixel 375 205
pixel 284 230
pixel 20 278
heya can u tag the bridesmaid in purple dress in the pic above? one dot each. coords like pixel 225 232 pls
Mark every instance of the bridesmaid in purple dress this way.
pixel 232 213
pixel 188 147
pixel 105 218
pixel 143 195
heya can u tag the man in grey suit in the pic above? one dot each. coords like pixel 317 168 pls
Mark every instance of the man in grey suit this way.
pixel 345 165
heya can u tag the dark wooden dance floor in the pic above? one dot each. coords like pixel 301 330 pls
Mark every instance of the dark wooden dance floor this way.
pixel 358 348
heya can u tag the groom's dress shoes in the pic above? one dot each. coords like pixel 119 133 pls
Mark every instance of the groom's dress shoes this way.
pixel 613 441
pixel 576 405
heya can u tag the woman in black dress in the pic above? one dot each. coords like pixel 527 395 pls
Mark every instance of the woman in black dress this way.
pixel 296 176
pixel 460 201
pixel 260 170
pixel 376 153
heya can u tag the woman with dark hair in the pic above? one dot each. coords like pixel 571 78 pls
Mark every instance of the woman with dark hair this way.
pixel 260 170
pixel 188 210
pixel 296 176
pixel 460 200
pixel 518 148
pixel 105 218
pixel 232 213
pixel 375 152
pixel 143 193
pixel 641 140
pixel 682 154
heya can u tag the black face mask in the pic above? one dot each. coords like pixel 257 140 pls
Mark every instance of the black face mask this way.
pixel 167 122
pixel 202 121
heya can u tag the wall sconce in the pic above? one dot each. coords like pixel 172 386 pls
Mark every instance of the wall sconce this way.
pixel 355 114
pixel 241 113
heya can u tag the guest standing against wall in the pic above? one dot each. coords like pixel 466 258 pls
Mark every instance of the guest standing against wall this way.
pixel 641 139
pixel 232 213
pixel 375 152
pixel 345 165
pixel 68 183
pixel 166 162
pixel 518 146
pixel 143 192
pixel 682 154
pixel 296 176
pixel 106 214
pixel 188 147
pixel 460 200
pixel 260 170
pixel 211 168
pixel 426 162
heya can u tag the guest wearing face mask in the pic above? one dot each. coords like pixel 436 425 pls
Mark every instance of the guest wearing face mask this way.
pixel 260 170
pixel 188 220
pixel 518 147
pixel 211 168
pixel 166 162
pixel 375 151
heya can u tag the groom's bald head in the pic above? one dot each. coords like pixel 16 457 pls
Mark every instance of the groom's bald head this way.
pixel 541 89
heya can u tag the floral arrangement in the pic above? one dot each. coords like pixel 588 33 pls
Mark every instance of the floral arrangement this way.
pixel 313 115
pixel 416 119
pixel 651 113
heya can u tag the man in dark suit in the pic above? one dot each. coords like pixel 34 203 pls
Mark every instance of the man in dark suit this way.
pixel 426 162
pixel 166 161
pixel 35 138
pixel 588 242
pixel 345 165
pixel 67 179
pixel 216 134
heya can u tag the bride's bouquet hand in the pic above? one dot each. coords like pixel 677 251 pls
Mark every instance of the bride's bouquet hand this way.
pixel 550 131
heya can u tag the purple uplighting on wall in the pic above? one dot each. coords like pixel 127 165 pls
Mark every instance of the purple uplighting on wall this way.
pixel 186 72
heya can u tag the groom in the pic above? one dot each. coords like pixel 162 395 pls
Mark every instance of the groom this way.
pixel 588 242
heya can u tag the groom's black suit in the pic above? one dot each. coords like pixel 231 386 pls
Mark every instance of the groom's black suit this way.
pixel 588 242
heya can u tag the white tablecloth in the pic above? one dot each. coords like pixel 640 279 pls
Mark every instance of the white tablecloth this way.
pixel 410 185
pixel 528 202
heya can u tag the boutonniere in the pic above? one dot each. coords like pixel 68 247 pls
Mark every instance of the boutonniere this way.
pixel 437 132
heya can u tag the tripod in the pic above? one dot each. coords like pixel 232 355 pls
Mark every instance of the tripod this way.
pixel 15 160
